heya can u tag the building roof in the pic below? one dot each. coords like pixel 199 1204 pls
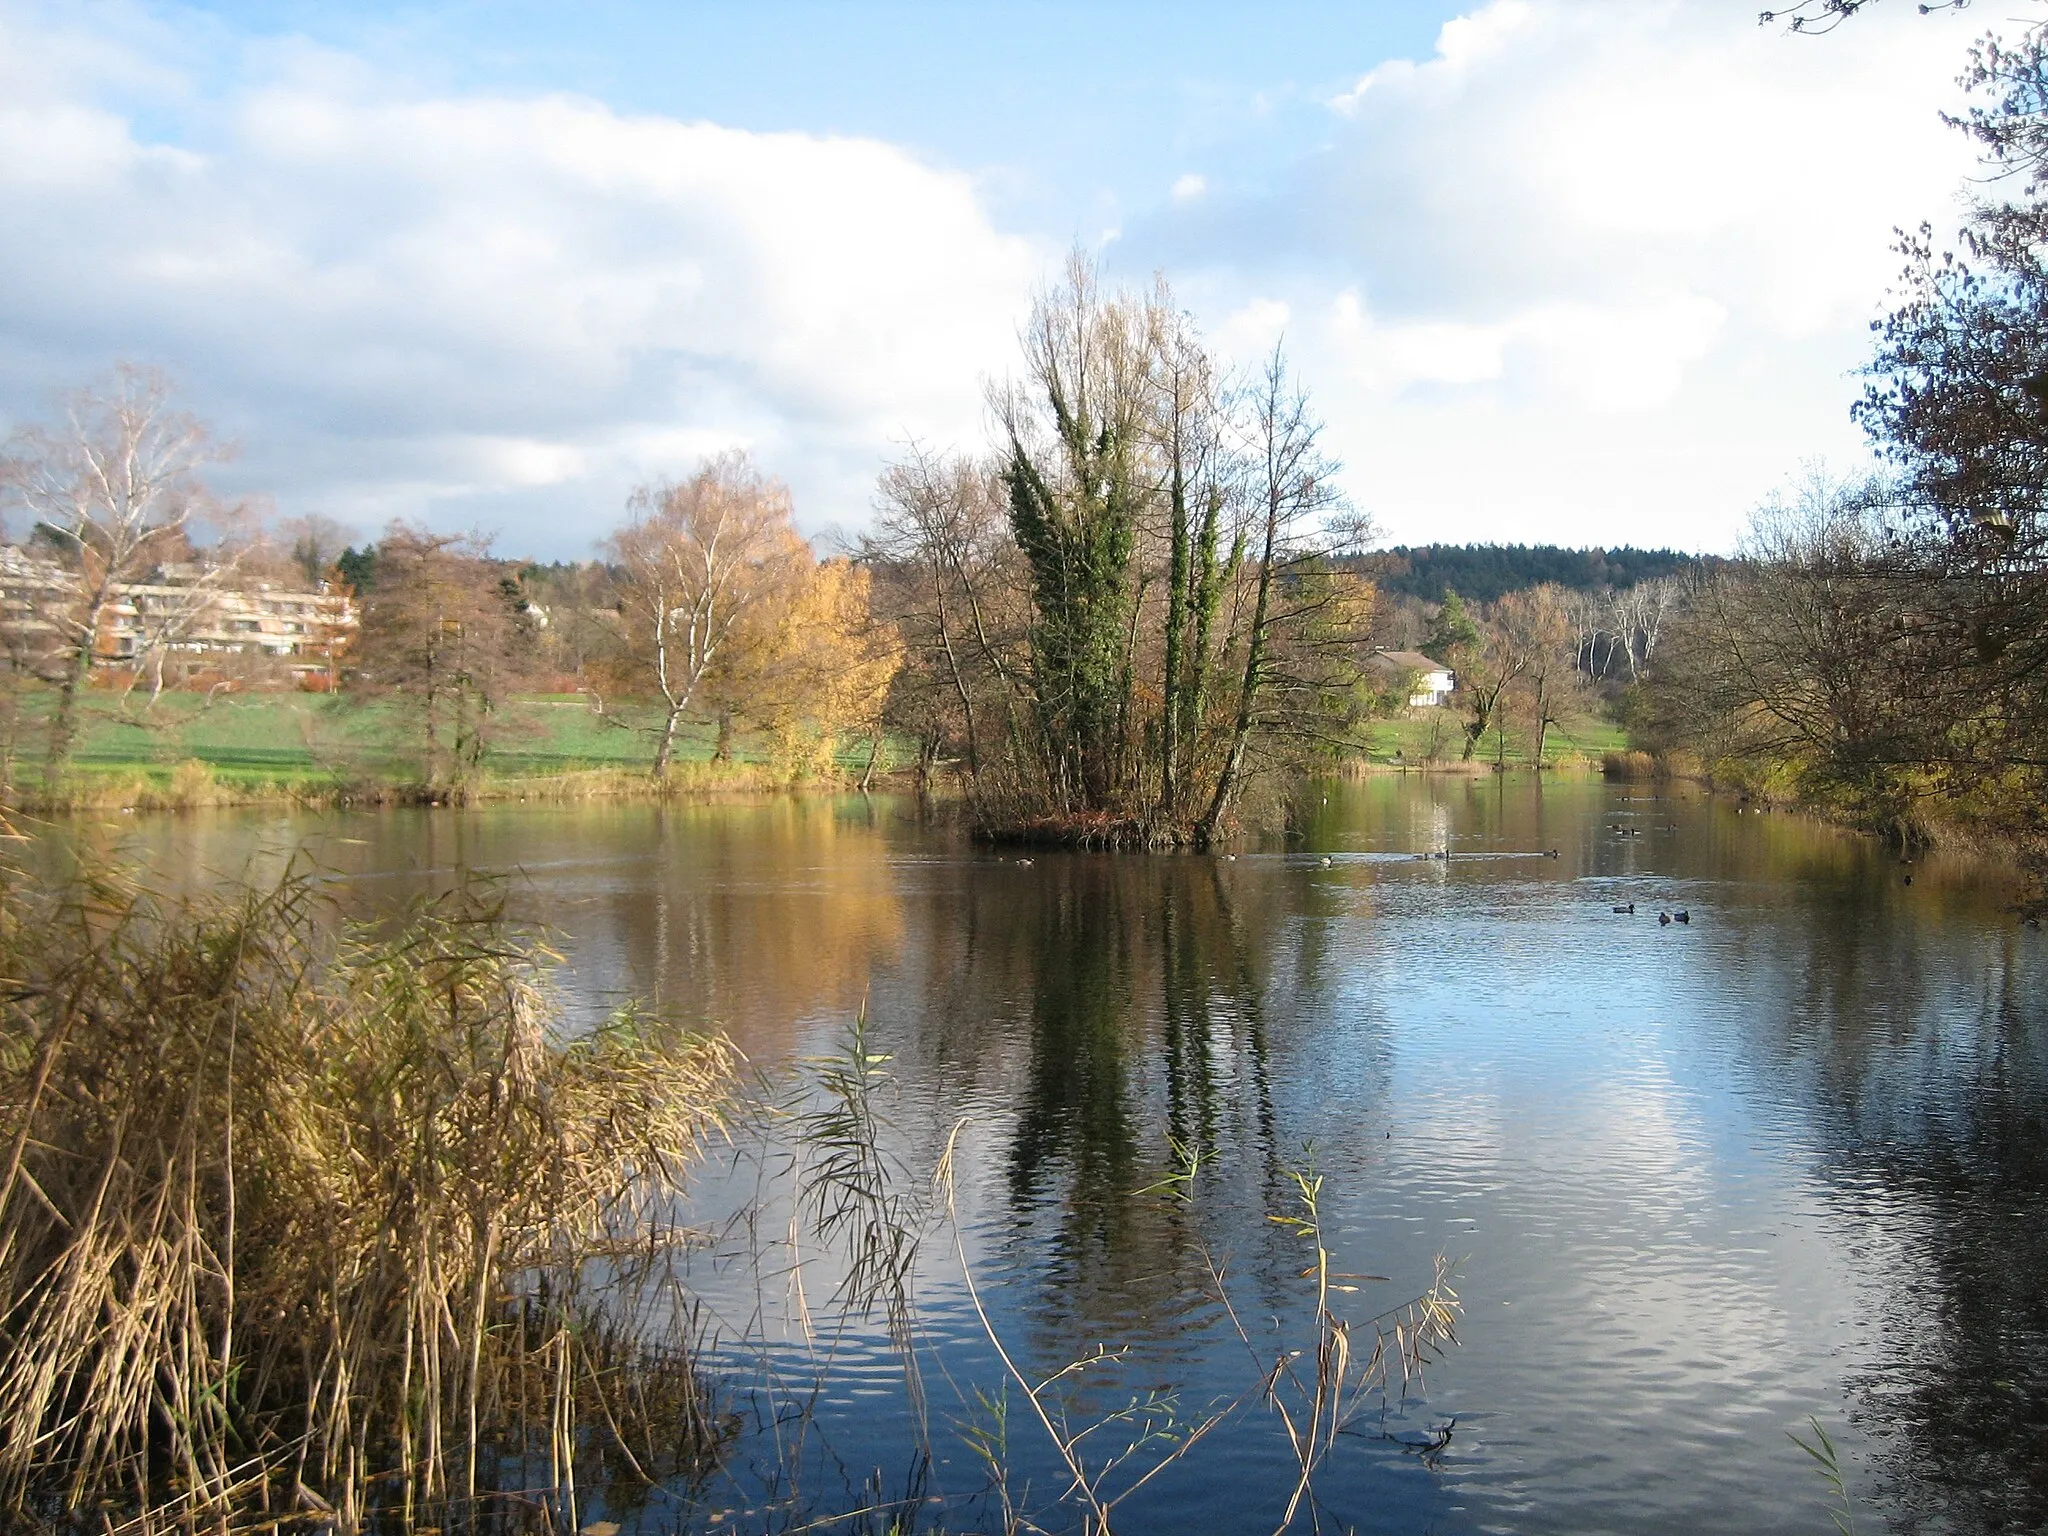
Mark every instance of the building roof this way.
pixel 1409 661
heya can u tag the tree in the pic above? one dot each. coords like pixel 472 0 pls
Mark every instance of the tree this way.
pixel 1957 403
pixel 115 491
pixel 1153 613
pixel 444 633
pixel 825 672
pixel 1803 666
pixel 358 567
pixel 1451 631
pixel 1487 668
pixel 1296 488
pixel 1539 630
pixel 1076 470
pixel 705 568
pixel 315 543
pixel 1191 430
pixel 950 581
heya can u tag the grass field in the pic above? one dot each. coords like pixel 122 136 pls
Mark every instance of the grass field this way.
pixel 1424 735
pixel 188 750
pixel 310 744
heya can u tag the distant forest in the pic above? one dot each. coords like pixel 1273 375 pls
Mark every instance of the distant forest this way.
pixel 1485 572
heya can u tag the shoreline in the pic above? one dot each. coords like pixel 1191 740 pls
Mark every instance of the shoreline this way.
pixel 194 787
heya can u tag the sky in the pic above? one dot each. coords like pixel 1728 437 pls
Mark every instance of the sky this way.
pixel 1561 271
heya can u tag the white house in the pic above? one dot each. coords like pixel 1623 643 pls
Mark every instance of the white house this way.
pixel 1429 682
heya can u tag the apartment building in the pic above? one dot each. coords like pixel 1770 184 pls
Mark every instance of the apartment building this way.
pixel 187 617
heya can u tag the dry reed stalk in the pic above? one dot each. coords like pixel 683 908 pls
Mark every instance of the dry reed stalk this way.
pixel 298 1219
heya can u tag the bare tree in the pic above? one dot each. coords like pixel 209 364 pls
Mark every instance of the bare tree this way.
pixel 1297 495
pixel 115 488
pixel 443 633
pixel 957 598
pixel 1487 667
pixel 316 542
pixel 703 564
pixel 1539 633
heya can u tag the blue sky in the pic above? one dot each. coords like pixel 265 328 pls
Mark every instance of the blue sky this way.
pixel 1553 269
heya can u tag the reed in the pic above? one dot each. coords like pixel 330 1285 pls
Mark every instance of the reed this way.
pixel 1630 765
pixel 304 1219
pixel 193 785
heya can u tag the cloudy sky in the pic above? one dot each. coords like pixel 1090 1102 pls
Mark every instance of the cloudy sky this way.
pixel 1569 271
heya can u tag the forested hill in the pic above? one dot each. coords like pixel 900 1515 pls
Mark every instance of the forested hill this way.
pixel 1482 572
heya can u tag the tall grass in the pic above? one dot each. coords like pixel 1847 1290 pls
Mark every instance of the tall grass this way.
pixel 303 1220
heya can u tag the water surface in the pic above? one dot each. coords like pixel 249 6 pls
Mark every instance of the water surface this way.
pixel 1703 1180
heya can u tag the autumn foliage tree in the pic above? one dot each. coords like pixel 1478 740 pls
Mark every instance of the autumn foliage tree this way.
pixel 725 607
pixel 445 637
pixel 824 674
pixel 706 567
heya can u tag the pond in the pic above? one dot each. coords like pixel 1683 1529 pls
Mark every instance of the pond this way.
pixel 1702 1181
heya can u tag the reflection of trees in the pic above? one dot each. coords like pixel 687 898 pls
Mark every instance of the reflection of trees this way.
pixel 1965 1147
pixel 1077 1111
pixel 1931 1108
pixel 757 917
pixel 1146 986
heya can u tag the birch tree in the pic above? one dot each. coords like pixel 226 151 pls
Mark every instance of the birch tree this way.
pixel 705 565
pixel 115 486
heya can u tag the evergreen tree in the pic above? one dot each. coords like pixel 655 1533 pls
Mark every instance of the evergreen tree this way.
pixel 1451 631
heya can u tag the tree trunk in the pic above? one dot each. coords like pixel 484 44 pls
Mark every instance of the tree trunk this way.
pixel 666 749
pixel 1476 729
pixel 1176 622
pixel 874 756
pixel 723 751
pixel 1254 663
pixel 64 718
pixel 953 671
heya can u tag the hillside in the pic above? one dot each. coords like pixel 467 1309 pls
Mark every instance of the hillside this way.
pixel 1483 572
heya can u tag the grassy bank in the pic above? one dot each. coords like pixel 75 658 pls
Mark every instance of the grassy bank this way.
pixel 1435 738
pixel 188 751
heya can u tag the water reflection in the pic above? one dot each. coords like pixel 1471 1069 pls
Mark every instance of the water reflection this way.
pixel 1706 1179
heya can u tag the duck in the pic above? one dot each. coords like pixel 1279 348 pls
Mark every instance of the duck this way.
pixel 1325 861
pixel 1023 863
pixel 1664 919
pixel 1681 916
pixel 1629 909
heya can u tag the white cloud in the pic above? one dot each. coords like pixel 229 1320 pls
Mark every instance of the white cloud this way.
pixel 1587 272
pixel 497 310
pixel 1592 272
